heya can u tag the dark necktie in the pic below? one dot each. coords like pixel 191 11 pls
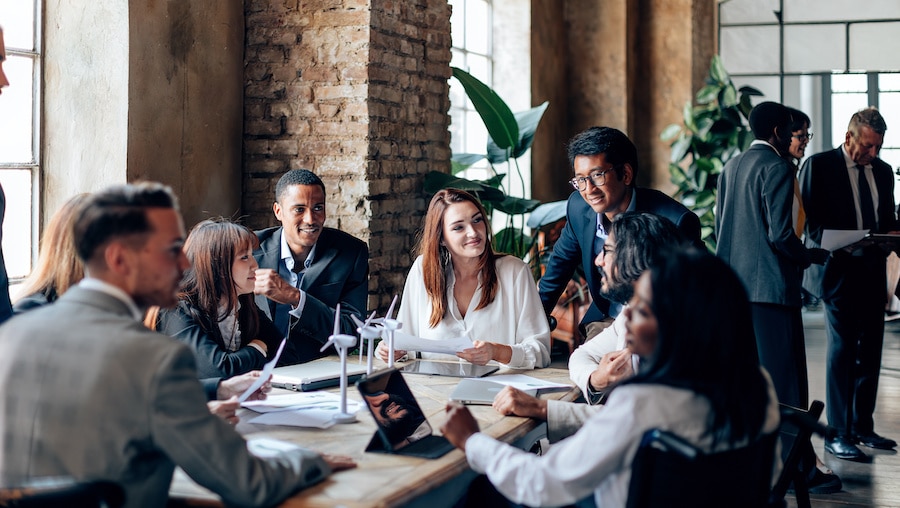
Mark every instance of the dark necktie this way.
pixel 865 200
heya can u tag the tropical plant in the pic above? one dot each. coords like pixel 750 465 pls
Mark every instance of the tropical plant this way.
pixel 714 131
pixel 510 136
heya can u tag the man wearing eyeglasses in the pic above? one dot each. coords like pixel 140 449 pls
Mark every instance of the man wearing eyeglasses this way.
pixel 606 166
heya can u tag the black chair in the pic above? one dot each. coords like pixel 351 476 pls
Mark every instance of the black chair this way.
pixel 797 426
pixel 670 472
pixel 64 492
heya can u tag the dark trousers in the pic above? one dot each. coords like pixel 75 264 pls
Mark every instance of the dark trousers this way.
pixel 855 330
pixel 782 351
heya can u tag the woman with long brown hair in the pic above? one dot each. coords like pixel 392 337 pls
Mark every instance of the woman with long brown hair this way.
pixel 458 286
pixel 216 315
pixel 58 267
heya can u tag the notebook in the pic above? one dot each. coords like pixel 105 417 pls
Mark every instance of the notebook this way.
pixel 306 377
pixel 478 391
pixel 401 425
pixel 453 369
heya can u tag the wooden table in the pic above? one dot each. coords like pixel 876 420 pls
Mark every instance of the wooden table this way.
pixel 392 480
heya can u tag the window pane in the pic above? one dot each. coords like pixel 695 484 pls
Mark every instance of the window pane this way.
pixel 17 20
pixel 476 134
pixel 889 82
pixel 478 28
pixel 480 67
pixel 16 111
pixel 17 221
pixel 457 23
pixel 849 83
pixel 888 103
pixel 457 127
pixel 842 108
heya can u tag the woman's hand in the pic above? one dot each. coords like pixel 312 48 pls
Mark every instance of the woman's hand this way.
pixel 382 352
pixel 460 425
pixel 511 401
pixel 483 352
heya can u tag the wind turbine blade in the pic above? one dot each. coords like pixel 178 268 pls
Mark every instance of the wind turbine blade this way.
pixel 391 308
pixel 357 321
pixel 368 319
pixel 337 319
pixel 329 343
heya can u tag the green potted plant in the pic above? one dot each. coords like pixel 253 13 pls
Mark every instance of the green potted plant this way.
pixel 714 131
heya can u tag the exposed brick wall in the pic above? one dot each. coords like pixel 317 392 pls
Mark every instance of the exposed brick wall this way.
pixel 356 91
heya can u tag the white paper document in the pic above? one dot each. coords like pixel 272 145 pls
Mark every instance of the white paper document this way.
pixel 303 409
pixel 406 342
pixel 523 382
pixel 834 239
pixel 268 447
pixel 266 373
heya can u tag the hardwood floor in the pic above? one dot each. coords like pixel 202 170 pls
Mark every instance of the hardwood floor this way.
pixel 871 485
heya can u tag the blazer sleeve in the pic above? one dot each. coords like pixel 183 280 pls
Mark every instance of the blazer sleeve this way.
pixel 561 266
pixel 317 317
pixel 213 360
pixel 812 193
pixel 778 199
pixel 210 451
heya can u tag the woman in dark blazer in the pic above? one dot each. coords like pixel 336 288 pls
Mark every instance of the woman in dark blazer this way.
pixel 216 315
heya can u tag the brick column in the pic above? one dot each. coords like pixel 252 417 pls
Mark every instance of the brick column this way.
pixel 357 92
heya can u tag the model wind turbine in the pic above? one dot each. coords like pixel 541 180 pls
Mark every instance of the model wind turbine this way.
pixel 342 343
pixel 367 333
pixel 390 326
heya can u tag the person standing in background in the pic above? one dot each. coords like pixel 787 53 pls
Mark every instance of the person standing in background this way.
pixel 5 304
pixel 850 188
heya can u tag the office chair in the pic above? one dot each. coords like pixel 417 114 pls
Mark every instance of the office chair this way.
pixel 797 425
pixel 64 492
pixel 670 472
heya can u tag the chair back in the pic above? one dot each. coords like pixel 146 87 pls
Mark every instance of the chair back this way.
pixel 670 472
pixel 797 426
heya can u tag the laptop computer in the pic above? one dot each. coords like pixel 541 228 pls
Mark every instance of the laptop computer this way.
pixel 306 377
pixel 475 391
pixel 453 369
pixel 401 425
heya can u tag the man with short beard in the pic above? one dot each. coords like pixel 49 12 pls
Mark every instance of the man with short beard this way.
pixel 636 241
pixel 306 269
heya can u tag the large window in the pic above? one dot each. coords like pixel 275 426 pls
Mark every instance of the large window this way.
pixel 470 25
pixel 19 133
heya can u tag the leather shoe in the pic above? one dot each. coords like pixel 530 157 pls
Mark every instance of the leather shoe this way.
pixel 873 440
pixel 824 483
pixel 842 447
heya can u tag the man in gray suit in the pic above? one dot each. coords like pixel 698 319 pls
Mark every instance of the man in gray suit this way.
pixel 755 235
pixel 306 269
pixel 89 393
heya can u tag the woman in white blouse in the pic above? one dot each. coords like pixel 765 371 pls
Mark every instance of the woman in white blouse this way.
pixel 458 286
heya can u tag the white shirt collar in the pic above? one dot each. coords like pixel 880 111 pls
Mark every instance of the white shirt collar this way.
pixel 288 257
pixel 113 291
pixel 764 142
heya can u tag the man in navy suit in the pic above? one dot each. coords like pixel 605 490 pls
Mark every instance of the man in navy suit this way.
pixel 306 269
pixel 850 188
pixel 605 164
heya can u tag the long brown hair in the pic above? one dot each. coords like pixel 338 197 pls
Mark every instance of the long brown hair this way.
pixel 211 248
pixel 58 267
pixel 436 258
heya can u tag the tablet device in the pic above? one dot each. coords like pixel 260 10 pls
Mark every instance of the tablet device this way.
pixel 307 377
pixel 478 391
pixel 401 425
pixel 453 369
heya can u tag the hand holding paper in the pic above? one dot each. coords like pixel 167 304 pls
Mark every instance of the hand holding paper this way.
pixel 266 374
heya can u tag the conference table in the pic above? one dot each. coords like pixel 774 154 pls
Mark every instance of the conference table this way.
pixel 383 480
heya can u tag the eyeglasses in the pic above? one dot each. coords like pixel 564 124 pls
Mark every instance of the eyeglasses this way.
pixel 598 178
pixel 802 137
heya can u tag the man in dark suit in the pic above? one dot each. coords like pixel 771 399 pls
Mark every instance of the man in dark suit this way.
pixel 755 235
pixel 88 392
pixel 306 269
pixel 850 188
pixel 605 164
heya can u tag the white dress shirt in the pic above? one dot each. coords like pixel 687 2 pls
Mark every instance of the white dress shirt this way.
pixel 597 459
pixel 515 317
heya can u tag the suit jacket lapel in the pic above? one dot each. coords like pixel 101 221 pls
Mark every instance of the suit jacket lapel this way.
pixel 588 233
pixel 271 256
pixel 324 255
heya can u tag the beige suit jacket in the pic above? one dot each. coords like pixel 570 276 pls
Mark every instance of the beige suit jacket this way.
pixel 88 392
